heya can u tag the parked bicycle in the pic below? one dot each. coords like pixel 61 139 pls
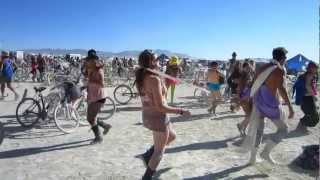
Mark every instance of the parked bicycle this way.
pixel 124 93
pixel 107 111
pixel 30 110
pixel 66 116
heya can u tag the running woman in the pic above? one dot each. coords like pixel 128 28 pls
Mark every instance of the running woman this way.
pixel 152 91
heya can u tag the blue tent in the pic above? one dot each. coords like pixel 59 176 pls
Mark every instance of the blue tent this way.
pixel 297 63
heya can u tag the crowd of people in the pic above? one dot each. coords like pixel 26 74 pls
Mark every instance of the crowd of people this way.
pixel 122 65
pixel 256 90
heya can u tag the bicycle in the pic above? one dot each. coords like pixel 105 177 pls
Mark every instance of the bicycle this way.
pixel 30 110
pixel 66 116
pixel 200 93
pixel 107 111
pixel 123 93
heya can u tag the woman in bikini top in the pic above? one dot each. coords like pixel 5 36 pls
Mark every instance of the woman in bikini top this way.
pixel 154 110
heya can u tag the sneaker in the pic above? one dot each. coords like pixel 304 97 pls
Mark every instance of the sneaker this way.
pixel 302 129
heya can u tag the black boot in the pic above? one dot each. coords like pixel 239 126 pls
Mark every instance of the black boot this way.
pixel 148 174
pixel 106 127
pixel 98 137
pixel 147 156
pixel 301 127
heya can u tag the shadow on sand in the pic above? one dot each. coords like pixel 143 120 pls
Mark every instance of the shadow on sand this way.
pixel 36 150
pixel 299 170
pixel 159 172
pixel 291 134
pixel 225 174
pixel 193 117
pixel 201 146
pixel 119 109
pixel 189 105
pixel 232 116
pixel 13 130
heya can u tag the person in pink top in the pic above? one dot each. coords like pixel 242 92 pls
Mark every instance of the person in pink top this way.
pixel 96 95
pixel 152 91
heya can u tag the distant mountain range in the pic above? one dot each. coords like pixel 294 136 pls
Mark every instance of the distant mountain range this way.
pixel 133 53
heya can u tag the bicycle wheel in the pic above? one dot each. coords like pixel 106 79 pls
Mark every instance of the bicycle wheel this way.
pixel 107 110
pixel 1 133
pixel 17 75
pixel 197 93
pixel 51 101
pixel 123 94
pixel 28 112
pixel 81 107
pixel 66 118
pixel 51 79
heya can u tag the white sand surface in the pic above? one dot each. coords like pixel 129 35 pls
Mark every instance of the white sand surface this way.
pixel 205 148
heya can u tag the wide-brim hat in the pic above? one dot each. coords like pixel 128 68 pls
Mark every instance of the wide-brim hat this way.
pixel 4 54
pixel 92 54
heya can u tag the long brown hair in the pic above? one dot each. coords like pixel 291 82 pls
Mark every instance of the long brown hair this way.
pixel 145 61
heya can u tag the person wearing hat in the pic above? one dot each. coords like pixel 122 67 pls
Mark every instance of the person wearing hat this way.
pixel 174 70
pixel 7 70
pixel 152 92
pixel 96 95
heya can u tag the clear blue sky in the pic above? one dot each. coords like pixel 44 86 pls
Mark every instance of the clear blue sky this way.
pixel 201 28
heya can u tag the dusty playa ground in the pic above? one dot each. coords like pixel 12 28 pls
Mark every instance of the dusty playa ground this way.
pixel 205 148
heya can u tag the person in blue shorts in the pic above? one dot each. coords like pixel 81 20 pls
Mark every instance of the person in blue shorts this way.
pixel 214 81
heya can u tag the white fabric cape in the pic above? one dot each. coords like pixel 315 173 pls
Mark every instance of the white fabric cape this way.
pixel 250 140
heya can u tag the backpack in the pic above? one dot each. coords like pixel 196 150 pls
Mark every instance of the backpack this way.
pixel 299 88
pixel 7 69
pixel 309 159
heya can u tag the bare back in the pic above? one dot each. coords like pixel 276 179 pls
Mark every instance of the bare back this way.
pixel 275 79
